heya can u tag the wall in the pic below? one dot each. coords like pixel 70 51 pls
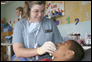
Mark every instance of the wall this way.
pixel 2 11
pixel 9 12
pixel 82 27
pixel 73 9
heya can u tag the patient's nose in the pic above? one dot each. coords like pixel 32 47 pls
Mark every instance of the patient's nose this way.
pixel 58 44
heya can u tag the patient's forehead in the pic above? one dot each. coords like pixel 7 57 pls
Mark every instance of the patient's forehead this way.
pixel 68 42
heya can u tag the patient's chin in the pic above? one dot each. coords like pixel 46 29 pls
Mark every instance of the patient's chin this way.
pixel 53 55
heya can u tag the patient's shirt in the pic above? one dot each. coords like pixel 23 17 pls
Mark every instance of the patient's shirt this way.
pixel 45 59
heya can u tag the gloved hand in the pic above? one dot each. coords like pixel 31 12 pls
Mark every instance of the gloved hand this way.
pixel 46 47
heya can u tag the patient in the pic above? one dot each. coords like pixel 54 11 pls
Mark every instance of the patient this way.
pixel 69 50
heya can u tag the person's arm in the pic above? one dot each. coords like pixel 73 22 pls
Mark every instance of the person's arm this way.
pixel 20 51
pixel 18 42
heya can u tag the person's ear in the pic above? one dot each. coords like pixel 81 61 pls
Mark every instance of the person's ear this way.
pixel 70 53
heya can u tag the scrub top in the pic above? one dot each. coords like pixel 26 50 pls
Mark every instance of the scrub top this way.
pixel 44 35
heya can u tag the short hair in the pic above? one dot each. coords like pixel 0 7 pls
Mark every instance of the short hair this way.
pixel 20 9
pixel 28 5
pixel 79 51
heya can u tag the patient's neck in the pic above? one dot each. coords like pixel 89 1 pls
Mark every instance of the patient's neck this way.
pixel 56 59
pixel 60 59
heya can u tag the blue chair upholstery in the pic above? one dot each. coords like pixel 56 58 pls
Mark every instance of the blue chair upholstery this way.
pixel 22 59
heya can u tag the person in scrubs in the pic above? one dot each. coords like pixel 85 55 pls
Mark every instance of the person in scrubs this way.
pixel 19 12
pixel 35 36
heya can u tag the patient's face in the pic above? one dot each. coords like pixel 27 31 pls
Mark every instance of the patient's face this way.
pixel 62 48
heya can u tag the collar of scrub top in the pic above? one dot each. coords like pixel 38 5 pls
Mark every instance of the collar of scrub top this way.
pixel 33 27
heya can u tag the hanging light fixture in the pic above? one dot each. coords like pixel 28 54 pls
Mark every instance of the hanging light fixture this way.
pixel 4 2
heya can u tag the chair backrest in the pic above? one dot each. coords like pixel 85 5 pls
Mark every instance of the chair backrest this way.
pixel 87 56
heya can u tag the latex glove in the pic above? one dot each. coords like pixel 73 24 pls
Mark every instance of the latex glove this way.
pixel 46 47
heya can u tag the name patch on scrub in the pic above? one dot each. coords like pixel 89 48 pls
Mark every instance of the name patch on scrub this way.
pixel 47 31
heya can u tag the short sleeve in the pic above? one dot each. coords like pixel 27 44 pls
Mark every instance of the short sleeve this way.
pixel 56 34
pixel 17 33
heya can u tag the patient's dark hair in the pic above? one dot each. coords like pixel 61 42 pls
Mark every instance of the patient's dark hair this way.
pixel 79 51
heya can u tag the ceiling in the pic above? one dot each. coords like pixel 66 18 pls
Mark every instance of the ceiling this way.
pixel 8 2
pixel 4 2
